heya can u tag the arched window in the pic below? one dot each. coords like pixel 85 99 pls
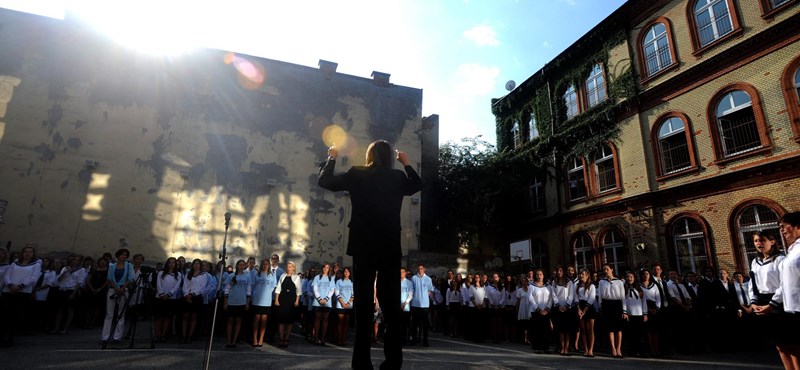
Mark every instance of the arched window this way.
pixel 583 251
pixel 614 251
pixel 752 218
pixel 534 130
pixel 737 122
pixel 605 169
pixel 576 177
pixel 571 101
pixel 711 21
pixel 674 149
pixel 656 49
pixel 790 82
pixel 596 86
pixel 689 245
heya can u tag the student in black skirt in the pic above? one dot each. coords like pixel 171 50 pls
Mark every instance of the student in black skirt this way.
pixel 586 293
pixel 168 286
pixel 288 292
pixel 611 293
pixel 194 288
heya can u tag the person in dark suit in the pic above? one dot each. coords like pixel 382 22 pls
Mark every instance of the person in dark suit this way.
pixel 376 192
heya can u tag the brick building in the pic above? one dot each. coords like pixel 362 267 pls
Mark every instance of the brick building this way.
pixel 670 132
pixel 101 146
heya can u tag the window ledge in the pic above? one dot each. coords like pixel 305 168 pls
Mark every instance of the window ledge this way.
pixel 660 73
pixel 592 197
pixel 735 33
pixel 763 150
pixel 772 12
pixel 685 171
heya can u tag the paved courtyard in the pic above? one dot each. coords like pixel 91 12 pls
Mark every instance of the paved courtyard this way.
pixel 81 350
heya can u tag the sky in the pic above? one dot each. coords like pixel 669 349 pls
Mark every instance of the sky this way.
pixel 460 53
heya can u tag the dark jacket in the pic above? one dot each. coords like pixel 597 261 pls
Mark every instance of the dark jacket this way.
pixel 377 197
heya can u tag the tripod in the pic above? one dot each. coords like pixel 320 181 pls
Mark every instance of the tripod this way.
pixel 143 291
pixel 119 312
pixel 222 257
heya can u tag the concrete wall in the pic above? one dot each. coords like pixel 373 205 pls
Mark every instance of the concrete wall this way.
pixel 179 142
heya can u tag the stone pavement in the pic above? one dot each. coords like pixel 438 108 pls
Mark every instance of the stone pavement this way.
pixel 80 350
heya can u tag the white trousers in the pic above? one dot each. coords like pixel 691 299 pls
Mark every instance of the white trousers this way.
pixel 118 302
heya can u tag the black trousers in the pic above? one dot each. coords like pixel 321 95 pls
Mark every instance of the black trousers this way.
pixel 419 320
pixel 388 289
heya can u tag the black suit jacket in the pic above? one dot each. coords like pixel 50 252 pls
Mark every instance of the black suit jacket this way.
pixel 377 197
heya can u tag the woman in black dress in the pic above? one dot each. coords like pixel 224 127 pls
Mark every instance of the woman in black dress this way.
pixel 288 291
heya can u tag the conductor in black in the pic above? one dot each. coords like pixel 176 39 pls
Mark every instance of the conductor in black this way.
pixel 376 192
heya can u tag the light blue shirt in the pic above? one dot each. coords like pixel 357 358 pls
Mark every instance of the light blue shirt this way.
pixel 323 289
pixel 406 290
pixel 263 288
pixel 237 294
pixel 126 276
pixel 423 286
pixel 344 290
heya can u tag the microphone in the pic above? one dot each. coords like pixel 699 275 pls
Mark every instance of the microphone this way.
pixel 227 220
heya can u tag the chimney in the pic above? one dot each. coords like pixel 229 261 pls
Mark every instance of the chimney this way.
pixel 380 78
pixel 327 67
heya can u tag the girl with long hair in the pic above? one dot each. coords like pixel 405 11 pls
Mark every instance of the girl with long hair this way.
pixel 168 286
pixel 586 294
pixel 236 301
pixel 524 301
pixel 652 298
pixel 563 315
pixel 323 287
pixel 120 276
pixel 611 293
pixel 264 283
pixel 20 279
pixel 634 313
pixel 69 283
pixel 344 304
pixel 194 288
pixel 541 307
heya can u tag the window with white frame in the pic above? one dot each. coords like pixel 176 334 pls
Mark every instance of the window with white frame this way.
pixel 596 86
pixel 515 134
pixel 534 130
pixel 584 255
pixel 577 179
pixel 713 20
pixel 571 101
pixel 614 252
pixel 537 194
pixel 777 3
pixel 657 53
pixel 673 146
pixel 689 243
pixel 757 217
pixel 736 120
pixel 604 169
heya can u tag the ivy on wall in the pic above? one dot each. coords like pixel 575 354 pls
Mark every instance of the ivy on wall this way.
pixel 560 138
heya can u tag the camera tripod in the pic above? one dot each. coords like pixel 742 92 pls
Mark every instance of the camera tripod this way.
pixel 121 304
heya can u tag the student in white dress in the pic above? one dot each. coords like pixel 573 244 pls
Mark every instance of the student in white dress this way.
pixel 523 298
pixel 586 294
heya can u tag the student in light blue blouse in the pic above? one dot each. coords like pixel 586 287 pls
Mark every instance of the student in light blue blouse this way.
pixel 420 304
pixel 264 283
pixel 237 301
pixel 344 304
pixel 406 295
pixel 323 287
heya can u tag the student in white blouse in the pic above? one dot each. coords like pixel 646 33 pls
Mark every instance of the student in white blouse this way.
pixel 652 298
pixel 541 306
pixel 497 301
pixel 168 287
pixel 323 287
pixel 611 294
pixel 523 296
pixel 586 293
pixel 563 317
pixel 453 301
pixel 635 313
pixel 194 288
pixel 788 341
pixel 477 319
pixel 69 282
pixel 510 314
pixel 20 278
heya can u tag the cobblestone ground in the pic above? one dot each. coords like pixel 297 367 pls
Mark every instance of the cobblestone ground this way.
pixel 80 349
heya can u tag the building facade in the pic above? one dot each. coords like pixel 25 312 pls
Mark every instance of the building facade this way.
pixel 669 133
pixel 101 146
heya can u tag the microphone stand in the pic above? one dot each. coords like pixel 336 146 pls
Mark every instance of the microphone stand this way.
pixel 218 293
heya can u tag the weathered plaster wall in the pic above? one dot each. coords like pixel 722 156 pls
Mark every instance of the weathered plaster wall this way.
pixel 179 142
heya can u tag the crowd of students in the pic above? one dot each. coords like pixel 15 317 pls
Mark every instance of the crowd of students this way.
pixel 642 313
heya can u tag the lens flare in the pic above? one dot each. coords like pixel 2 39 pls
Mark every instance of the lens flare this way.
pixel 336 135
pixel 249 74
